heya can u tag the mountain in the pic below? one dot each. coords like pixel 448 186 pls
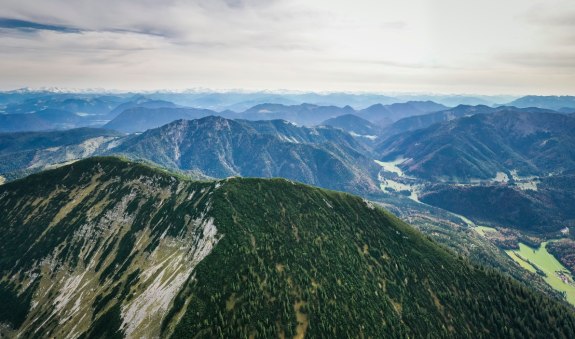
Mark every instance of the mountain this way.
pixel 422 121
pixel 304 114
pixel 551 102
pixel 139 119
pixel 69 110
pixel 365 131
pixel 19 96
pixel 45 119
pixel 219 148
pixel 567 110
pixel 290 132
pixel 59 118
pixel 81 104
pixel 139 113
pixel 139 102
pixel 425 120
pixel 456 100
pixel 386 114
pixel 108 248
pixel 23 122
pixel 240 101
pixel 480 146
pixel 25 152
pixel 545 207
pixel 213 147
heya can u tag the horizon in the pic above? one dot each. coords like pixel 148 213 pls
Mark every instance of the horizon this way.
pixel 279 91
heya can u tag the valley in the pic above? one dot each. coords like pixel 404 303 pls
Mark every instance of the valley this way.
pixel 534 258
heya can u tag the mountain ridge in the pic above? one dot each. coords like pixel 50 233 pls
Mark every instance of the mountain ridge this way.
pixel 480 146
pixel 218 258
pixel 355 125
pixel 425 120
pixel 220 147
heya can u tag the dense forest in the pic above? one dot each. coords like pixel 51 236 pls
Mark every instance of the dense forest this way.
pixel 237 258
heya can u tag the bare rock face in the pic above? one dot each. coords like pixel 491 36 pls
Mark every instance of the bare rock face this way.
pixel 107 244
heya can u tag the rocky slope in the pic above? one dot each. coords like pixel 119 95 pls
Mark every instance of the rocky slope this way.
pixel 208 147
pixel 219 147
pixel 27 152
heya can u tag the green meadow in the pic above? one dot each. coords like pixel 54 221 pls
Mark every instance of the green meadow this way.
pixel 538 258
pixel 484 229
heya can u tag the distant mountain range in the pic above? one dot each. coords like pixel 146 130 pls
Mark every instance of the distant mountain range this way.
pixel 240 101
pixel 386 114
pixel 58 112
pixel 137 113
pixel 413 123
pixel 480 146
pixel 139 102
pixel 87 104
pixel 47 110
pixel 559 103
pixel 355 125
pixel 140 119
pixel 304 114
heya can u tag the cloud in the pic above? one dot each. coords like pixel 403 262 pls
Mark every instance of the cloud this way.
pixel 560 14
pixel 542 59
pixel 393 25
pixel 27 26
pixel 169 18
pixel 299 44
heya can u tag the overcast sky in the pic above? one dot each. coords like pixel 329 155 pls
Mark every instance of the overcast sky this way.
pixel 442 46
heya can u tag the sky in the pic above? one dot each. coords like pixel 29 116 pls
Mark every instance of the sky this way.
pixel 513 47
